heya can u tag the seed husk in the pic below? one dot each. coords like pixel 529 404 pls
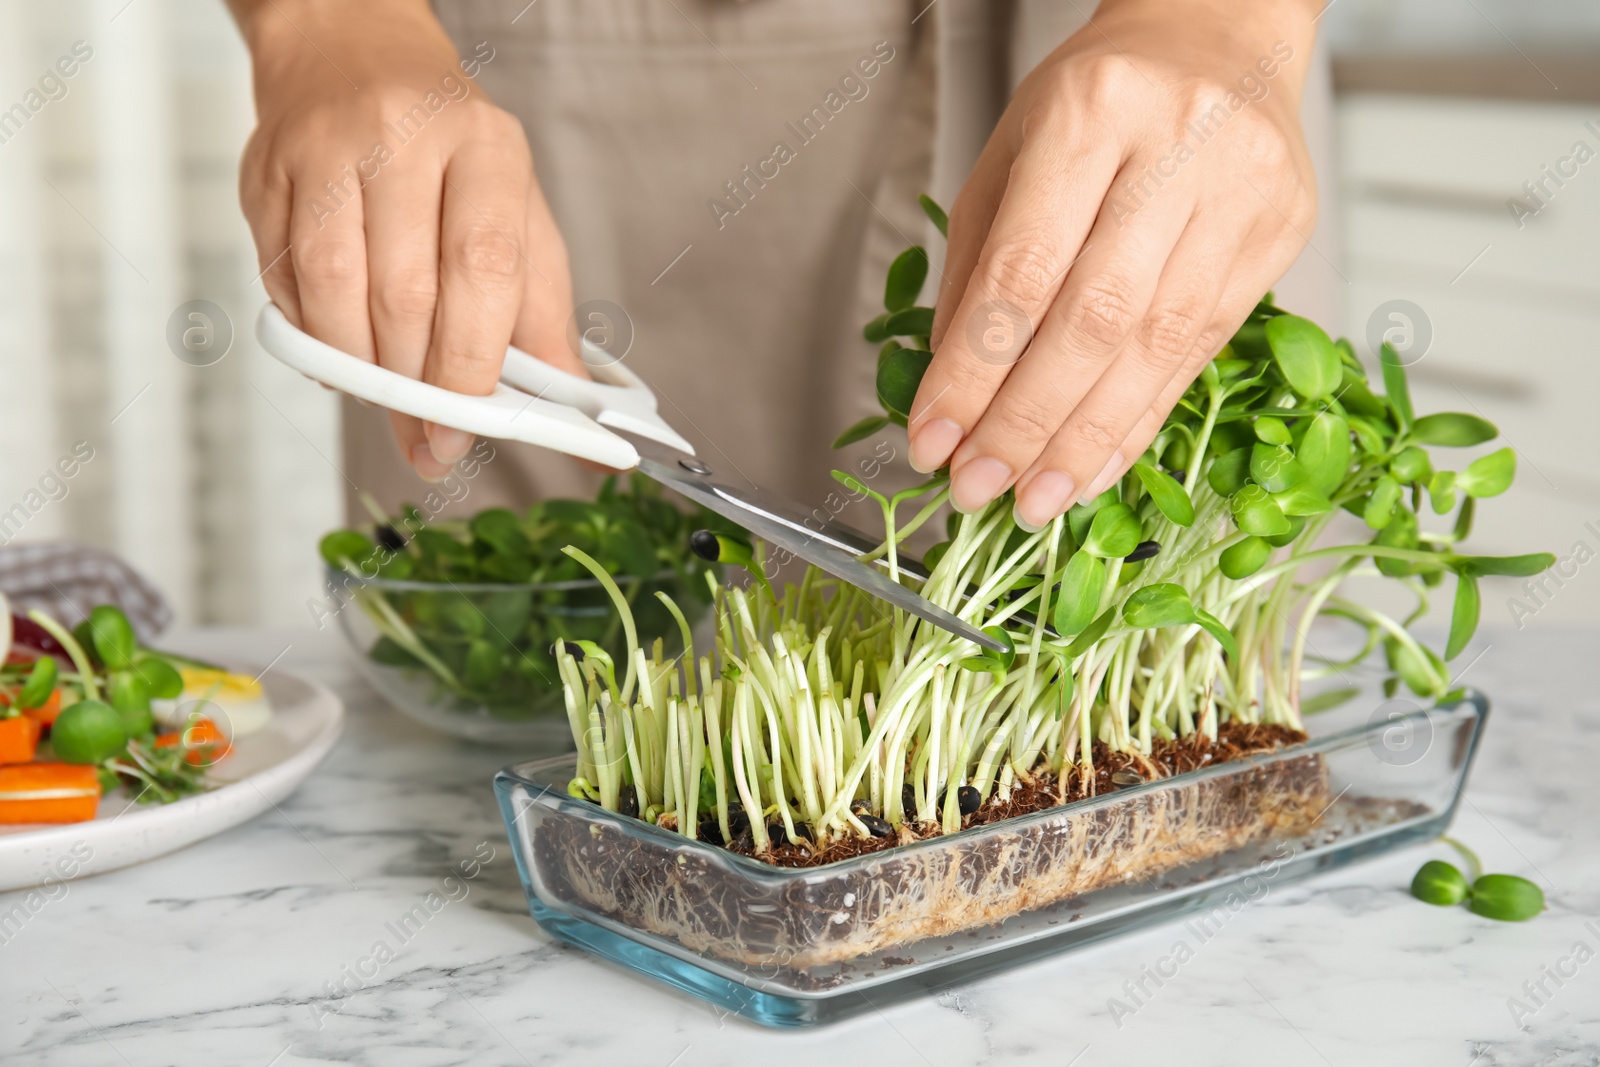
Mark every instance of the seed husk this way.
pixel 628 801
pixel 1125 778
pixel 1143 550
pixel 875 826
pixel 968 799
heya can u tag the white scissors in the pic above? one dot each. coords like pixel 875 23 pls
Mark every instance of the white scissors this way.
pixel 610 420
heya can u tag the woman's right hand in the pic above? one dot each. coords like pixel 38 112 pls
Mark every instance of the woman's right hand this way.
pixel 394 207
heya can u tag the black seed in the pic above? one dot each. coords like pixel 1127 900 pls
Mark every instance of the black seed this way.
pixel 875 826
pixel 1143 550
pixel 1126 778
pixel 968 799
pixel 1178 475
pixel 859 807
pixel 389 537
pixel 628 801
pixel 776 831
pixel 703 543
pixel 908 798
pixel 571 648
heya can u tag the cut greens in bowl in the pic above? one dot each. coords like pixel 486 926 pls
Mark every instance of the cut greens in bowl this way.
pixel 457 618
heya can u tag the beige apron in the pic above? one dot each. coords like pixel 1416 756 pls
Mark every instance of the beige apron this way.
pixel 736 178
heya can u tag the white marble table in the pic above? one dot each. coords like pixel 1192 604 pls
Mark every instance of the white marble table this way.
pixel 232 952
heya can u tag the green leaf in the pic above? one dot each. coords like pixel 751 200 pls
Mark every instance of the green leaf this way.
pixel 1453 430
pixel 935 214
pixel 1114 533
pixel 1301 499
pixel 113 636
pixel 1214 626
pixel 162 678
pixel 1229 472
pixel 344 544
pixel 1094 632
pixel 861 430
pixel 1082 585
pixel 911 322
pixel 1305 354
pixel 1369 435
pixel 131 697
pixel 891 345
pixel 1413 670
pixel 1257 513
pixel 499 529
pixel 1168 494
pixel 1489 475
pixel 906 275
pixel 1506 898
pixel 1272 431
pixel 996 663
pixel 1442 491
pixel 898 379
pixel 41 683
pixel 1394 384
pixel 1440 883
pixel 1463 525
pixel 1154 606
pixel 1411 466
pixel 1357 399
pixel 1274 468
pixel 1381 504
pixel 1245 558
pixel 1463 616
pixel 1506 566
pixel 1399 532
pixel 1296 524
pixel 877 331
pixel 1324 452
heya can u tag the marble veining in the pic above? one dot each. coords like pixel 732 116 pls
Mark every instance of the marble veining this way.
pixel 376 918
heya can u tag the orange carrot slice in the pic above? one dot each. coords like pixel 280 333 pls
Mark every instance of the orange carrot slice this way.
pixel 48 792
pixel 19 736
pixel 45 714
pixel 203 742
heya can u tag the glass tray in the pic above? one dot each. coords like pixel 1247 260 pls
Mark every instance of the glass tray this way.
pixel 798 947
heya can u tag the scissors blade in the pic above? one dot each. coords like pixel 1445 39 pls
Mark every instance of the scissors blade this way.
pixel 784 524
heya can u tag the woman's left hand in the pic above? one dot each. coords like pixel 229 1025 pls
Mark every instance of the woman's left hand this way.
pixel 1145 186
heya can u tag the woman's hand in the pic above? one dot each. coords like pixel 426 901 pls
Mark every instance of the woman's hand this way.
pixel 415 233
pixel 1145 186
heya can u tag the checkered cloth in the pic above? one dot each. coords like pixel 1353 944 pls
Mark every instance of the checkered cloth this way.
pixel 66 580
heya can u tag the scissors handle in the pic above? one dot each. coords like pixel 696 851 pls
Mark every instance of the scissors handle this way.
pixel 548 407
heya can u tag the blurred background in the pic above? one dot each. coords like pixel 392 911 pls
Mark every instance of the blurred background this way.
pixel 1463 224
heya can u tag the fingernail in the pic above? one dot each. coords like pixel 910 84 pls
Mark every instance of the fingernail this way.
pixel 932 444
pixel 1046 496
pixel 448 444
pixel 427 467
pixel 1102 481
pixel 1023 524
pixel 978 482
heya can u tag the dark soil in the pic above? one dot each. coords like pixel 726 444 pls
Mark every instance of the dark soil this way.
pixel 1167 758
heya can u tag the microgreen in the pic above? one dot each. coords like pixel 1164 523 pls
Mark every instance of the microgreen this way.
pixel 1502 897
pixel 1177 600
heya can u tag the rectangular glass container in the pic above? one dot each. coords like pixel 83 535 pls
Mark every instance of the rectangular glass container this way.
pixel 797 947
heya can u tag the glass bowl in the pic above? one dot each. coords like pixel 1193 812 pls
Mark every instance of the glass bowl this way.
pixel 796 947
pixel 473 658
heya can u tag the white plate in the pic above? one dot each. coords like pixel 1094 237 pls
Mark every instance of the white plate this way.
pixel 264 768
